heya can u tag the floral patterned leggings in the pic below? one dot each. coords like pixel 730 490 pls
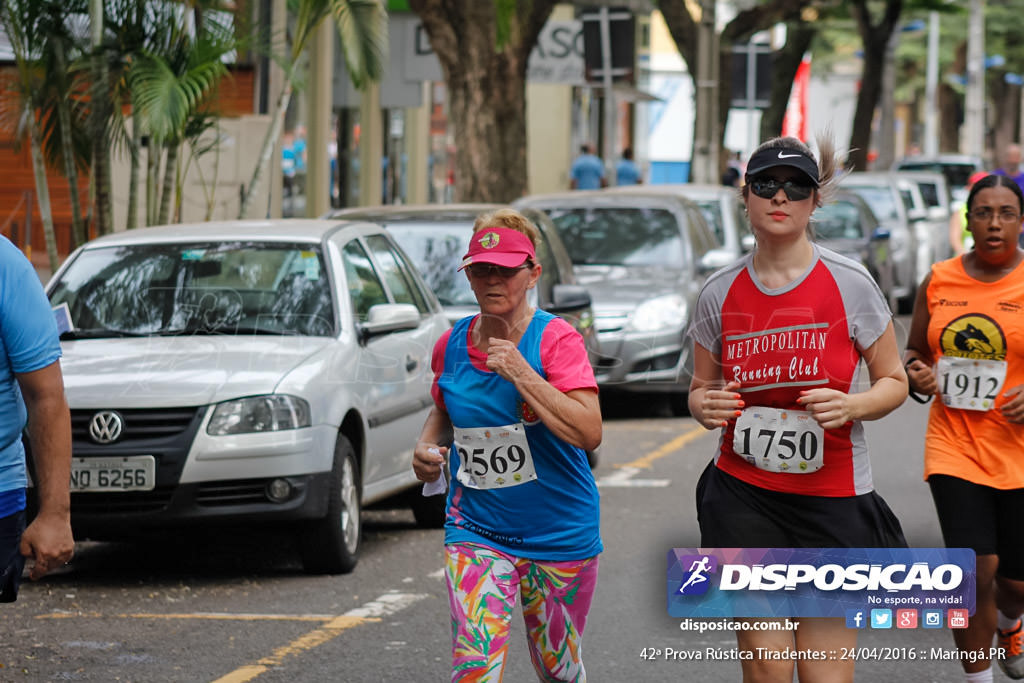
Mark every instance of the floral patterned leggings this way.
pixel 482 586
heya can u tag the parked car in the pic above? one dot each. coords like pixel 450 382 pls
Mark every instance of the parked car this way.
pixel 722 207
pixel 246 373
pixel 935 195
pixel 956 167
pixel 848 226
pixel 436 236
pixel 928 233
pixel 881 191
pixel 644 257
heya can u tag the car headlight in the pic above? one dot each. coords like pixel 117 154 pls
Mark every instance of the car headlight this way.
pixel 271 413
pixel 658 314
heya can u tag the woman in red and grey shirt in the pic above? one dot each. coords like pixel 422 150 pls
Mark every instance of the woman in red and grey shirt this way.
pixel 778 337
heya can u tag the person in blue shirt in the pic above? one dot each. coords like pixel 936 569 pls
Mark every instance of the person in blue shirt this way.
pixel 32 391
pixel 587 172
pixel 627 172
pixel 1011 165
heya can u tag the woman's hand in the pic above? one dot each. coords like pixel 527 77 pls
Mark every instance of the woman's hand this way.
pixel 1013 409
pixel 718 406
pixel 922 378
pixel 428 459
pixel 830 408
pixel 503 357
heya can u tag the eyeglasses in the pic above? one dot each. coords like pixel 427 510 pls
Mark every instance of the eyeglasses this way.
pixel 766 187
pixel 482 270
pixel 985 214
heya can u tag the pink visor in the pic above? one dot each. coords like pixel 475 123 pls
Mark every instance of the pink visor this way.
pixel 500 246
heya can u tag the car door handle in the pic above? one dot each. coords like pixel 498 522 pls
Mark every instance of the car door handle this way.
pixel 410 363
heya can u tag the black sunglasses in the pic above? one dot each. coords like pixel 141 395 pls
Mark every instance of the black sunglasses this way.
pixel 482 270
pixel 766 187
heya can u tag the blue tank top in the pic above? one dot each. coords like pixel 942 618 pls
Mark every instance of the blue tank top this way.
pixel 555 517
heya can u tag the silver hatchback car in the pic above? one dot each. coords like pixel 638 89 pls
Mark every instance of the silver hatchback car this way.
pixel 644 257
pixel 246 373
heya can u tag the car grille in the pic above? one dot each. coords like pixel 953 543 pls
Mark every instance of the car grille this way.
pixel 610 322
pixel 121 503
pixel 140 424
pixel 238 492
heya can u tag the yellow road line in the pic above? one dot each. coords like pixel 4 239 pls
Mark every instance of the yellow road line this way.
pixel 371 612
pixel 194 615
pixel 666 449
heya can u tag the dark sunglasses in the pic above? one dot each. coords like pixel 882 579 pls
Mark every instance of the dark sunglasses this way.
pixel 482 270
pixel 766 187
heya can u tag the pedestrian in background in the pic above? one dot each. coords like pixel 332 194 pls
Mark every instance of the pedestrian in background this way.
pixel 1010 166
pixel 749 498
pixel 626 171
pixel 587 172
pixel 32 391
pixel 516 407
pixel 965 346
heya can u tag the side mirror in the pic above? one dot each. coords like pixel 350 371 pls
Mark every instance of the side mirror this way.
pixel 748 242
pixel 713 260
pixel 880 233
pixel 568 298
pixel 387 318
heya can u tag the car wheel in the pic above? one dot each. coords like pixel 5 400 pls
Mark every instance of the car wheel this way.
pixel 594 458
pixel 429 511
pixel 331 545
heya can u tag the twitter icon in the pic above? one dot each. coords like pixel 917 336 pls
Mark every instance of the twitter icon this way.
pixel 881 618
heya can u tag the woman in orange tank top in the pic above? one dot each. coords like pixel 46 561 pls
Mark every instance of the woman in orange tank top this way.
pixel 966 348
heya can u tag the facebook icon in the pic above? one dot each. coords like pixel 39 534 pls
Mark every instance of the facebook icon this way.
pixel 855 618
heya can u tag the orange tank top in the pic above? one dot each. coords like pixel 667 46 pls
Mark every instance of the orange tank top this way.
pixel 978 320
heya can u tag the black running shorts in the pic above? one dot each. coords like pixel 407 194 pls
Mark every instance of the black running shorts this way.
pixel 735 514
pixel 985 519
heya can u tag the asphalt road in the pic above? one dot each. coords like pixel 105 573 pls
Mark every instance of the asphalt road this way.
pixel 236 607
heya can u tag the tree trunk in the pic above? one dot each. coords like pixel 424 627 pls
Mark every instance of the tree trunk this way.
pixel 1004 104
pixel 78 234
pixel 875 39
pixel 43 195
pixel 167 193
pixel 132 218
pixel 799 35
pixel 269 143
pixel 486 81
pixel 99 114
pixel 951 116
pixel 152 180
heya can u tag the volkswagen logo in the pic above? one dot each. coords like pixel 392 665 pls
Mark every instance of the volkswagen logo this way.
pixel 106 426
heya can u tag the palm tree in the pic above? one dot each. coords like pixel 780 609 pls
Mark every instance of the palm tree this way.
pixel 28 25
pixel 362 26
pixel 169 88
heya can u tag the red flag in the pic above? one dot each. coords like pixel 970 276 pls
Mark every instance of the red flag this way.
pixel 795 122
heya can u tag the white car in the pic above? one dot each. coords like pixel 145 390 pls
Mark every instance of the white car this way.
pixel 247 373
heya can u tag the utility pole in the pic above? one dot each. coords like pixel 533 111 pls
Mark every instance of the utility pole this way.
pixel 931 91
pixel 973 141
pixel 706 142
pixel 610 123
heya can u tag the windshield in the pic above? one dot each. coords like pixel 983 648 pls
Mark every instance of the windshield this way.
pixel 712 211
pixel 956 174
pixel 628 236
pixel 838 221
pixel 214 288
pixel 881 200
pixel 437 249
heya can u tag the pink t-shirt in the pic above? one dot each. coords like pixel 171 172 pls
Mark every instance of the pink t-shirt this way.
pixel 562 352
